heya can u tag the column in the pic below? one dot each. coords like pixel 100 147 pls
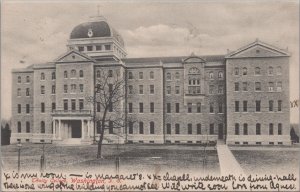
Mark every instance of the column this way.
pixel 59 129
pixel 89 129
pixel 54 129
pixel 82 128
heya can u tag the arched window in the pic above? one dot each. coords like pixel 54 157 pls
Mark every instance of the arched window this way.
pixel 141 128
pixel 257 128
pixel 98 74
pixel 220 74
pixel 177 75
pixel 27 127
pixel 65 74
pixel 270 70
pixel 151 75
pixel 237 129
pixel 19 92
pixel 73 73
pixel 42 76
pixel 168 76
pixel 80 73
pixel 236 71
pixel 19 127
pixel 19 79
pixel 211 75
pixel 53 76
pixel 151 127
pixel 257 71
pixel 42 127
pixel 279 70
pixel 27 79
pixel 244 71
pixel 130 76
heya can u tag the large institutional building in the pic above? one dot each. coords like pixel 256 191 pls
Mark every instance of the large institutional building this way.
pixel 241 98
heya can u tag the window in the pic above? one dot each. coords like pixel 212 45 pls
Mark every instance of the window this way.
pixel 65 104
pixel 27 127
pixel 141 127
pixel 19 108
pixel 141 75
pixel 245 86
pixel 98 47
pixel 42 127
pixel 27 79
pixel 130 76
pixel 177 107
pixel 42 76
pixel 110 73
pixel 19 79
pixel 198 129
pixel 98 107
pixel 237 106
pixel 98 74
pixel 211 75
pixel 151 107
pixel 130 127
pixel 198 107
pixel 258 129
pixel 279 129
pixel 257 106
pixel 27 108
pixel 245 129
pixel 80 48
pixel 53 76
pixel 42 89
pixel 81 88
pixel 245 106
pixel 168 90
pixel 19 127
pixel 110 127
pixel 279 103
pixel 270 71
pixel 141 107
pixel 107 47
pixel 257 86
pixel 151 75
pixel 151 89
pixel 53 89
pixel 236 71
pixel 42 107
pixel 53 107
pixel 81 73
pixel 190 129
pixel 18 92
pixel 110 106
pixel 130 108
pixel 257 71
pixel 236 86
pixel 73 88
pixel 177 75
pixel 237 129
pixel 168 107
pixel 98 127
pixel 211 107
pixel 130 89
pixel 279 86
pixel 73 73
pixel 271 86
pixel 177 128
pixel 141 89
pixel 189 105
pixel 220 107
pixel 89 48
pixel 65 88
pixel 271 131
pixel 279 70
pixel 220 75
pixel 168 76
pixel 73 104
pixel 211 89
pixel 244 71
pixel 65 74
pixel 151 127
pixel 211 129
pixel 27 92
pixel 168 128
pixel 271 103
pixel 220 89
pixel 177 89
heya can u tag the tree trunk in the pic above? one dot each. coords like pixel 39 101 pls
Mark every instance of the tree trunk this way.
pixel 100 145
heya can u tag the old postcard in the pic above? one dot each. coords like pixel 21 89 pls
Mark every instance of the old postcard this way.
pixel 150 95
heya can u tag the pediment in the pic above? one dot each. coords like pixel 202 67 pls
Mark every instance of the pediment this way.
pixel 193 59
pixel 73 56
pixel 258 49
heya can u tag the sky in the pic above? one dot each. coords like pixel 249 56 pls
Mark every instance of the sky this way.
pixel 35 32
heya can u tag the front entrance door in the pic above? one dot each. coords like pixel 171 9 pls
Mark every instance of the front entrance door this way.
pixel 76 128
pixel 220 131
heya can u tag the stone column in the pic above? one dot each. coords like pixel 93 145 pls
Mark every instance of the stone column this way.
pixel 82 128
pixel 59 129
pixel 54 129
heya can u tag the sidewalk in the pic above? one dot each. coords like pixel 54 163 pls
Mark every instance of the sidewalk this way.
pixel 228 163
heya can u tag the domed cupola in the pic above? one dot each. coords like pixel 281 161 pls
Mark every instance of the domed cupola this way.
pixel 97 39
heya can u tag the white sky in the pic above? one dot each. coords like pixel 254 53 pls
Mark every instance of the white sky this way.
pixel 37 32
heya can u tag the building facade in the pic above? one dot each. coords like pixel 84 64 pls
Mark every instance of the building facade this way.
pixel 241 98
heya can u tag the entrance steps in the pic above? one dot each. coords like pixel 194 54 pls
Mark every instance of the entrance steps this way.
pixel 71 141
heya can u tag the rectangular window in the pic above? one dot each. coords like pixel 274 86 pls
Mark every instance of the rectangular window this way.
pixel 177 128
pixel 89 48
pixel 220 107
pixel 168 128
pixel 141 128
pixel 279 129
pixel 245 106
pixel 237 129
pixel 27 108
pixel 19 108
pixel 81 88
pixel 236 86
pixel 198 107
pixel 168 107
pixel 141 108
pixel 98 47
pixel 130 108
pixel 141 87
pixel 257 129
pixel 220 89
pixel 177 107
pixel 189 105
pixel 53 89
pixel 27 92
pixel 130 89
pixel 65 88
pixel 211 108
pixel 151 89
pixel 27 127
pixel 271 131
pixel 279 105
pixel 198 129
pixel 168 90
pixel 237 106
pixel 110 73
pixel 245 129
pixel 245 86
pixel 65 104
pixel 177 89
pixel 257 106
pixel 98 126
pixel 98 107
pixel 73 88
pixel 141 75
pixel 271 86
pixel 130 127
pixel 42 107
pixel 53 107
pixel 42 89
pixel 151 107
pixel 107 47
pixel 110 107
pixel 279 86
pixel 73 104
pixel 271 103
pixel 111 127
pixel 211 129
pixel 257 86
pixel 80 48
pixel 151 127
pixel 190 129
pixel 211 89
pixel 81 106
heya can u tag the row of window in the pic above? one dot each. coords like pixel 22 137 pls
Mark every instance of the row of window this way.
pixel 73 74
pixel 94 48
pixel 73 104
pixel 197 108
pixel 98 73
pixel 190 128
pixel 257 71
pixel 19 127
pixel 258 87
pixel 20 79
pixel 257 106
pixel 73 88
pixel 141 89
pixel 141 75
pixel 258 129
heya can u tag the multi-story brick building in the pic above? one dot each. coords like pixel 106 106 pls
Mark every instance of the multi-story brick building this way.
pixel 241 97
